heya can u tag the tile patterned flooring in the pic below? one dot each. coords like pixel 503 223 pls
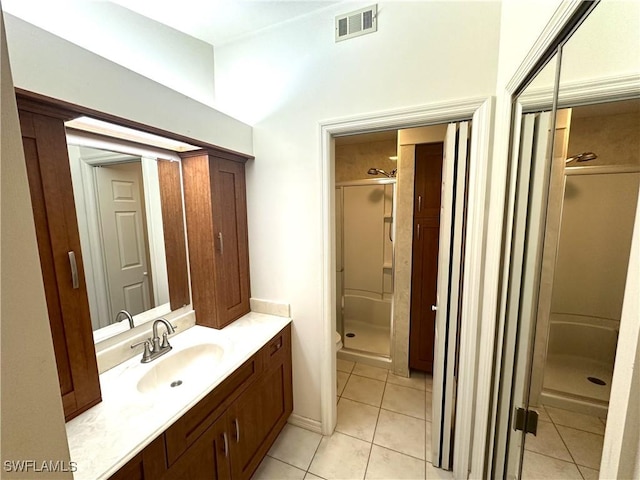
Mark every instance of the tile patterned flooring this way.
pixel 568 446
pixel 383 432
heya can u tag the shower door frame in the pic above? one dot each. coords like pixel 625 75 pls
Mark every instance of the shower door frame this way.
pixel 477 342
pixel 355 183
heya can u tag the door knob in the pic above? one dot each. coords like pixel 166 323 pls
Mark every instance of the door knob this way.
pixel 434 308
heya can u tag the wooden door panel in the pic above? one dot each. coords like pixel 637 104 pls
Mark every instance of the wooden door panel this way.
pixel 428 179
pixel 215 204
pixel 260 413
pixel 422 329
pixel 230 222
pixel 208 458
pixel 424 268
pixel 49 176
pixel 48 271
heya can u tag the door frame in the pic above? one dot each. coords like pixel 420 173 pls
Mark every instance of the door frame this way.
pixel 481 110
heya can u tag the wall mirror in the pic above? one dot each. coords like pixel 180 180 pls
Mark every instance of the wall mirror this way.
pixel 129 207
pixel 575 175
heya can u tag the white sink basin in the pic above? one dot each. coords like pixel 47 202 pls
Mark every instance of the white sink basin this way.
pixel 182 369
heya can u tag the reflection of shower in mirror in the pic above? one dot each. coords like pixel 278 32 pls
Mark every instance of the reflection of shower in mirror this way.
pixel 581 157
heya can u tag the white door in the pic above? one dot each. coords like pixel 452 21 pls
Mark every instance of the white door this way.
pixel 449 292
pixel 122 215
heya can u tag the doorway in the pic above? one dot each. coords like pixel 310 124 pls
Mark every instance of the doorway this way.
pixel 365 194
pixel 481 111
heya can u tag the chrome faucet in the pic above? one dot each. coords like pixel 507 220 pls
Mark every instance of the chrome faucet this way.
pixel 126 315
pixel 165 341
pixel 152 346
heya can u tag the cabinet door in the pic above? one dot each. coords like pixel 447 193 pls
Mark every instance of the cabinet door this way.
pixel 260 413
pixel 45 148
pixel 428 180
pixel 424 269
pixel 150 463
pixel 232 249
pixel 215 205
pixel 208 458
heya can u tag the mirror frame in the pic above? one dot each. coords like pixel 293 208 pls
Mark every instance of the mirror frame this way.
pixel 67 111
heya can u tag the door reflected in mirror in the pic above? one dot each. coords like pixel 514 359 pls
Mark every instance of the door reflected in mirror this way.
pixel 131 224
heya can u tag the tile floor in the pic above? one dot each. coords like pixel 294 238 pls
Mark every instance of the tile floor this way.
pixel 383 432
pixel 568 446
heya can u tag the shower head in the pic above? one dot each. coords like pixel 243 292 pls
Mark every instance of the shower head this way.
pixel 582 157
pixel 378 171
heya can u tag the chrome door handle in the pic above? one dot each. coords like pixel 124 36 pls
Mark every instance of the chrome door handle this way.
pixel 74 270
pixel 419 203
pixel 434 308
pixel 236 423
pixel 226 444
pixel 418 231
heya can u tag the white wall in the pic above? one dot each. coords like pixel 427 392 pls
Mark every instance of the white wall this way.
pixel 46 64
pixel 32 416
pixel 138 43
pixel 285 82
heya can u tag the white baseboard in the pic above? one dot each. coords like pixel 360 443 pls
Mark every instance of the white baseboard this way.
pixel 306 423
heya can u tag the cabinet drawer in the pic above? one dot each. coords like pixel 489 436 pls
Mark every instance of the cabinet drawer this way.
pixel 278 349
pixel 196 421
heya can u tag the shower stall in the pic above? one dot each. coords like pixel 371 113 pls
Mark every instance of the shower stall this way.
pixel 594 239
pixel 364 266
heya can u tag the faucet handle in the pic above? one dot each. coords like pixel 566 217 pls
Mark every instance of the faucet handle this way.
pixel 146 355
pixel 165 341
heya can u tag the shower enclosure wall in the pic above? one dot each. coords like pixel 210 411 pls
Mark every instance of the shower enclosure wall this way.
pixel 597 214
pixel 364 265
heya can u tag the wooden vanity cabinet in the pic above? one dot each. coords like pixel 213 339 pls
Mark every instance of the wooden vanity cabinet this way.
pixel 48 172
pixel 150 463
pixel 216 217
pixel 256 418
pixel 208 457
pixel 227 433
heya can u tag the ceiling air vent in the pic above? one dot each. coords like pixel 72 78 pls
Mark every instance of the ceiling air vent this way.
pixel 357 23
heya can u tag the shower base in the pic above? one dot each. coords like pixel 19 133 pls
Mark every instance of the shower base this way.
pixel 367 338
pixel 567 384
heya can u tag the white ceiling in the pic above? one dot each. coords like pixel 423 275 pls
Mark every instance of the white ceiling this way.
pixel 221 21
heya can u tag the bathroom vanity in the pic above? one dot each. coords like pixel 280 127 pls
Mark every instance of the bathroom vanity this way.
pixel 210 408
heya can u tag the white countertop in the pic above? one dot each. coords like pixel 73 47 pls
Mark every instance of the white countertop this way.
pixel 105 437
